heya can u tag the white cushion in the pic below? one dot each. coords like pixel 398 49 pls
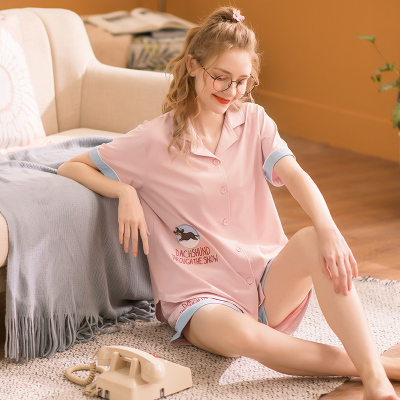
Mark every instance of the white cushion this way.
pixel 19 113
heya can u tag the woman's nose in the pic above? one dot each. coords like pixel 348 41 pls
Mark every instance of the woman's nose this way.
pixel 232 89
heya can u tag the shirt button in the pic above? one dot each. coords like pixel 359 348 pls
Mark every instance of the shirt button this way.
pixel 238 249
pixel 225 221
pixel 223 190
pixel 216 162
pixel 249 281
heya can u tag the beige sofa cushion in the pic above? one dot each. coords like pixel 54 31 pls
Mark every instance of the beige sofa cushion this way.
pixel 71 55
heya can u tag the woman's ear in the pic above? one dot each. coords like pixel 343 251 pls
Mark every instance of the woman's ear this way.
pixel 190 65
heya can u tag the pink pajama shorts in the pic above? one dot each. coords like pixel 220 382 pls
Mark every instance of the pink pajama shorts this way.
pixel 180 314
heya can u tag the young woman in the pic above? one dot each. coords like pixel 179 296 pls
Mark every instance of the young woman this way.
pixel 224 274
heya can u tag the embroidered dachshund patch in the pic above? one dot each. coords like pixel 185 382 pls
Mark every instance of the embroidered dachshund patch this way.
pixel 187 236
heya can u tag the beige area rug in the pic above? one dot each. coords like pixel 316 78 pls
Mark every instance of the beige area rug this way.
pixel 214 377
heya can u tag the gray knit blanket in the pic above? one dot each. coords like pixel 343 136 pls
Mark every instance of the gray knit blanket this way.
pixel 68 277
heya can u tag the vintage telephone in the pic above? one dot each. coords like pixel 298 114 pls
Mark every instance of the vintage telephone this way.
pixel 133 375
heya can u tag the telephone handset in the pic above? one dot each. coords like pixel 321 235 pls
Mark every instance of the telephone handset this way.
pixel 133 375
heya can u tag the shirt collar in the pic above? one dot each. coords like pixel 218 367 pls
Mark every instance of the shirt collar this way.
pixel 233 118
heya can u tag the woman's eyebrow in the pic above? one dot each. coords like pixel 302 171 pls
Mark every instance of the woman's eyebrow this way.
pixel 227 72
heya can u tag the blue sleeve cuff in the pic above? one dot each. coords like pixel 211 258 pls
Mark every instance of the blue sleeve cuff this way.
pixel 270 162
pixel 101 165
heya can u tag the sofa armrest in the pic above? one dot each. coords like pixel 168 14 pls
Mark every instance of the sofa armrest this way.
pixel 117 99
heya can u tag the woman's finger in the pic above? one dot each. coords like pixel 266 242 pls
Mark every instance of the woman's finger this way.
pixel 343 276
pixel 135 237
pixel 121 229
pixel 325 269
pixel 144 233
pixel 353 264
pixel 334 271
pixel 349 274
pixel 127 235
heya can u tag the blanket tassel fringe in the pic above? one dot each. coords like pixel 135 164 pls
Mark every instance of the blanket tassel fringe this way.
pixel 28 338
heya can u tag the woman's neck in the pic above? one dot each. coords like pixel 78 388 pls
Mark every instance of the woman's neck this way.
pixel 209 128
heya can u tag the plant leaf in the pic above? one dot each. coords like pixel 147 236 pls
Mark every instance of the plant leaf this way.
pixel 376 78
pixel 385 68
pixel 396 116
pixel 387 86
pixel 367 37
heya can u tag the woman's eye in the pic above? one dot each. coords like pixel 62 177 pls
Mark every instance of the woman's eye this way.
pixel 243 82
pixel 223 78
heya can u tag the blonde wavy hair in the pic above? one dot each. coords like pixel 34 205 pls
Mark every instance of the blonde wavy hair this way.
pixel 217 34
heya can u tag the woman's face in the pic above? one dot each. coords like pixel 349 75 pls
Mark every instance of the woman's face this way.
pixel 234 64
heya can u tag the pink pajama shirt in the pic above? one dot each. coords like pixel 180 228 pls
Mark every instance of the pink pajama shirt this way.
pixel 213 223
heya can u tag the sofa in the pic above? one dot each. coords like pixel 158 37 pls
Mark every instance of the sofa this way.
pixel 77 95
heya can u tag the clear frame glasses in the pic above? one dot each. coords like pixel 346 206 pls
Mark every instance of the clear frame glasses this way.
pixel 224 82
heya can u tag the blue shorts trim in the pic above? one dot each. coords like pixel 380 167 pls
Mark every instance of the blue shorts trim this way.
pixel 187 314
pixel 261 310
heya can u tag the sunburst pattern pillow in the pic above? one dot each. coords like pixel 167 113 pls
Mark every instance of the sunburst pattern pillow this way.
pixel 20 123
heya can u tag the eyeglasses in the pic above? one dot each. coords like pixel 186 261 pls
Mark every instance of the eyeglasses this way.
pixel 224 82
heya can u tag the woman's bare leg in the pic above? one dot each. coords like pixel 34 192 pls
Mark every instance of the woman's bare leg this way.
pixel 224 331
pixel 299 261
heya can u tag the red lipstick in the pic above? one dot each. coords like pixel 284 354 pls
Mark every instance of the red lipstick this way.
pixel 221 100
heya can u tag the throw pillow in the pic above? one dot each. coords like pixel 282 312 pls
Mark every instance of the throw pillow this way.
pixel 20 122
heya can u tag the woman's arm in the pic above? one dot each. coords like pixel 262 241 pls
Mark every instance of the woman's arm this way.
pixel 130 212
pixel 337 259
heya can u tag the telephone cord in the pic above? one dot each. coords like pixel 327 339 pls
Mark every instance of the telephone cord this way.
pixel 93 368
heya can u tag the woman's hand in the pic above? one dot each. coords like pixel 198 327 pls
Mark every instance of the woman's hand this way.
pixel 131 221
pixel 337 260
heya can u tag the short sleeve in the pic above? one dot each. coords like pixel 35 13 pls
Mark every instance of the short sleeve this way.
pixel 273 148
pixel 124 159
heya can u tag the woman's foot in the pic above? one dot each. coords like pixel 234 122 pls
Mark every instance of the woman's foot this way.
pixel 392 367
pixel 379 389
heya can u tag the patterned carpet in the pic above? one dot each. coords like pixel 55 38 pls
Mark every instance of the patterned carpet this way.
pixel 214 377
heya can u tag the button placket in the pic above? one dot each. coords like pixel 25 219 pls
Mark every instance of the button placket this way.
pixel 223 189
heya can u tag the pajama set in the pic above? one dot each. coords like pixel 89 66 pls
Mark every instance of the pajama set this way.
pixel 214 228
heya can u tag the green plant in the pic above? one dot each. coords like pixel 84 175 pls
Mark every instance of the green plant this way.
pixel 377 76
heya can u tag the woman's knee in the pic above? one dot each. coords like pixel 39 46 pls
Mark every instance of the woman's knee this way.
pixel 304 247
pixel 307 235
pixel 307 240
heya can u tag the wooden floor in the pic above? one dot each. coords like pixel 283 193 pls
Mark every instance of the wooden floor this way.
pixel 363 194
